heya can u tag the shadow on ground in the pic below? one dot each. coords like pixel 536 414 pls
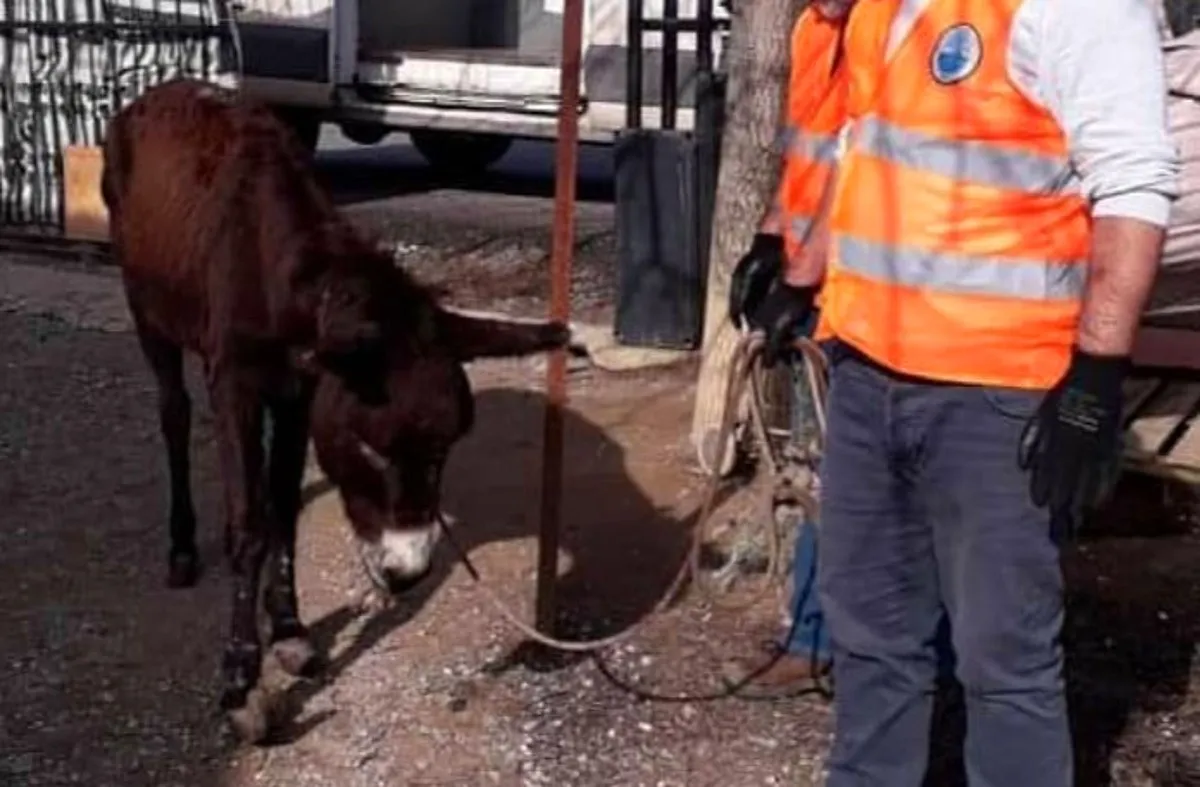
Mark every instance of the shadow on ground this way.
pixel 1133 620
pixel 621 552
pixel 106 677
pixel 364 174
pixel 1133 624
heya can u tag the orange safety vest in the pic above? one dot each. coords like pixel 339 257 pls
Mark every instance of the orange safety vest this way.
pixel 869 31
pixel 816 111
pixel 960 238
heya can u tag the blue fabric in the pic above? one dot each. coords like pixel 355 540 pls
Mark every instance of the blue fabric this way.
pixel 924 511
pixel 809 634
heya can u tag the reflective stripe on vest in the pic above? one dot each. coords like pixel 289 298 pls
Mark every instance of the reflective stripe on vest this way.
pixel 966 160
pixel 810 145
pixel 799 225
pixel 1002 277
pixel 811 156
pixel 792 224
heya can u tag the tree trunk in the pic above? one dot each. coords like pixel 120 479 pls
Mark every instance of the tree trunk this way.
pixel 758 58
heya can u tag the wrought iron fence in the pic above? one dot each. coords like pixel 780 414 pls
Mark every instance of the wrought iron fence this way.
pixel 67 65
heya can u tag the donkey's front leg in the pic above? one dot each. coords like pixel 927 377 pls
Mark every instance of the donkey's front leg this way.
pixel 238 409
pixel 290 640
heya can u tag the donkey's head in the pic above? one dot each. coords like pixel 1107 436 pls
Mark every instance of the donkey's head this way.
pixel 392 399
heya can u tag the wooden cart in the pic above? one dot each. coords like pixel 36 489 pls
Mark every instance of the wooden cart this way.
pixel 1161 427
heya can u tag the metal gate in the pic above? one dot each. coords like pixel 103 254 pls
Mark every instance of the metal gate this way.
pixel 67 65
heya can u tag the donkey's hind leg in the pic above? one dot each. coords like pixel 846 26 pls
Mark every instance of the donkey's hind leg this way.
pixel 175 420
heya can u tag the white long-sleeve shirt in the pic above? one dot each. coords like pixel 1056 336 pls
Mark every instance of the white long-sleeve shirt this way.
pixel 1097 67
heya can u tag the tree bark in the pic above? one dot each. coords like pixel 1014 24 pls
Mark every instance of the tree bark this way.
pixel 758 58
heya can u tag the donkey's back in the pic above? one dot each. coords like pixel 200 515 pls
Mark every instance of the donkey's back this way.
pixel 210 202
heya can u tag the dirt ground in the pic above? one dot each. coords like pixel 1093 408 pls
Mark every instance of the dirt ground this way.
pixel 108 678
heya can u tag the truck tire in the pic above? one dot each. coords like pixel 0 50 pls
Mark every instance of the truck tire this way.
pixel 365 133
pixel 460 152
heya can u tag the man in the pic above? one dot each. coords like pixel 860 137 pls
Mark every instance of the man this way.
pixel 816 111
pixel 994 230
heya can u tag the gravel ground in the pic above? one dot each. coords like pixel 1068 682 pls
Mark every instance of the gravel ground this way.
pixel 486 239
pixel 108 678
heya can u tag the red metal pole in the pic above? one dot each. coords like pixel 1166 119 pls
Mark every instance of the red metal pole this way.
pixel 566 159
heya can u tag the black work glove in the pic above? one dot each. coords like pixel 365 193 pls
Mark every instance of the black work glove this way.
pixel 753 275
pixel 1072 445
pixel 781 316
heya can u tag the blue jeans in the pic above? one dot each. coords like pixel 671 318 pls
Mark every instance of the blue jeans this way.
pixel 808 635
pixel 924 509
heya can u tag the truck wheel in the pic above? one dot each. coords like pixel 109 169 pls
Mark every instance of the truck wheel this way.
pixel 460 152
pixel 364 133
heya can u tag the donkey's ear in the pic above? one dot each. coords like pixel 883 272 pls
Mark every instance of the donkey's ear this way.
pixel 471 335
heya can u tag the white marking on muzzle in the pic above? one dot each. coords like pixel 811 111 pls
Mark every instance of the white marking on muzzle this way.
pixel 408 552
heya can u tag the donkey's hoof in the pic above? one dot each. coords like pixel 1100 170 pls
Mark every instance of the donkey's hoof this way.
pixel 252 722
pixel 183 570
pixel 297 657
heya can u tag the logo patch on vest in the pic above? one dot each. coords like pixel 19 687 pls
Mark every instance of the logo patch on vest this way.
pixel 956 54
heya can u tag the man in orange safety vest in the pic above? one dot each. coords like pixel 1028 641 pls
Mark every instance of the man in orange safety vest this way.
pixel 815 113
pixel 995 226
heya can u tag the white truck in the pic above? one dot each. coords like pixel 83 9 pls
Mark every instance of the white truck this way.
pixel 462 77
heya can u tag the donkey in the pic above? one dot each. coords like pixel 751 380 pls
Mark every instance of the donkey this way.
pixel 229 249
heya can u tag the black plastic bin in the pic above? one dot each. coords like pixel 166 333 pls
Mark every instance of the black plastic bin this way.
pixel 660 278
pixel 665 187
